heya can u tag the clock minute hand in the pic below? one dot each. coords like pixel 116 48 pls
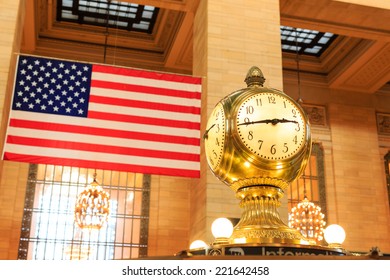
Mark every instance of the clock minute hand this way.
pixel 206 133
pixel 271 121
pixel 286 121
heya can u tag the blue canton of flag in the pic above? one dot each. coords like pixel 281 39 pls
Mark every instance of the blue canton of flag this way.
pixel 52 86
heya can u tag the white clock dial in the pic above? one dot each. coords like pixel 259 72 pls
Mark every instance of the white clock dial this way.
pixel 271 126
pixel 214 136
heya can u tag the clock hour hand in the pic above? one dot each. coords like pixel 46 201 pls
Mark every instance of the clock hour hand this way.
pixel 271 121
pixel 206 133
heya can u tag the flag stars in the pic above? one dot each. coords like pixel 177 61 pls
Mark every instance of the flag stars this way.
pixel 52 86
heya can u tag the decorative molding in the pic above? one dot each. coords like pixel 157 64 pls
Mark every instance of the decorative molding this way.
pixel 316 114
pixel 383 123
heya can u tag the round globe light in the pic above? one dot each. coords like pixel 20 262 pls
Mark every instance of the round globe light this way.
pixel 198 244
pixel 222 228
pixel 334 235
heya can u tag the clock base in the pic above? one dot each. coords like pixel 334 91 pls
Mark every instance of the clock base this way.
pixel 260 221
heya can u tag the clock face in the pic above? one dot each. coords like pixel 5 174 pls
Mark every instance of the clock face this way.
pixel 271 126
pixel 214 136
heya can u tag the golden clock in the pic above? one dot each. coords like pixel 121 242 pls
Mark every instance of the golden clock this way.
pixel 257 141
pixel 271 126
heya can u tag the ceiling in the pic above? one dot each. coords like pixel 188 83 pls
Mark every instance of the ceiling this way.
pixel 358 60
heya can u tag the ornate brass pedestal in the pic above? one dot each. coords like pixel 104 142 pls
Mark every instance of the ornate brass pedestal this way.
pixel 260 221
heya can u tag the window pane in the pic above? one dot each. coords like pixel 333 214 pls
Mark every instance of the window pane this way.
pixel 49 230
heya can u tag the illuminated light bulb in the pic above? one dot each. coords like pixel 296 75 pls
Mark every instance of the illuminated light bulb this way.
pixel 222 229
pixel 334 235
pixel 198 244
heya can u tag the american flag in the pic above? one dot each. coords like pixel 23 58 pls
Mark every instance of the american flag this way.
pixel 104 117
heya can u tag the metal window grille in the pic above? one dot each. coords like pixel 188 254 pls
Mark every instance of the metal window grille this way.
pixel 49 231
pixel 305 41
pixel 312 180
pixel 107 13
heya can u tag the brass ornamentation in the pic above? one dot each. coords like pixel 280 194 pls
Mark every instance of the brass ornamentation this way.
pixel 244 134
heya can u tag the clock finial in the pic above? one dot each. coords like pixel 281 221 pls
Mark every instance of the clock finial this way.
pixel 254 77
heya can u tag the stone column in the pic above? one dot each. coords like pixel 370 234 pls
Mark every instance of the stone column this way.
pixel 13 176
pixel 229 38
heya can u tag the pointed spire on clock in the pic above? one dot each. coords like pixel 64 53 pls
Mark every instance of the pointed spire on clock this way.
pixel 254 77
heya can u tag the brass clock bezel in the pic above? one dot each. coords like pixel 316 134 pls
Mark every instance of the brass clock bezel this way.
pixel 255 158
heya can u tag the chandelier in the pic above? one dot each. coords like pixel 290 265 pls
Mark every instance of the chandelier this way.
pixel 309 220
pixel 92 207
